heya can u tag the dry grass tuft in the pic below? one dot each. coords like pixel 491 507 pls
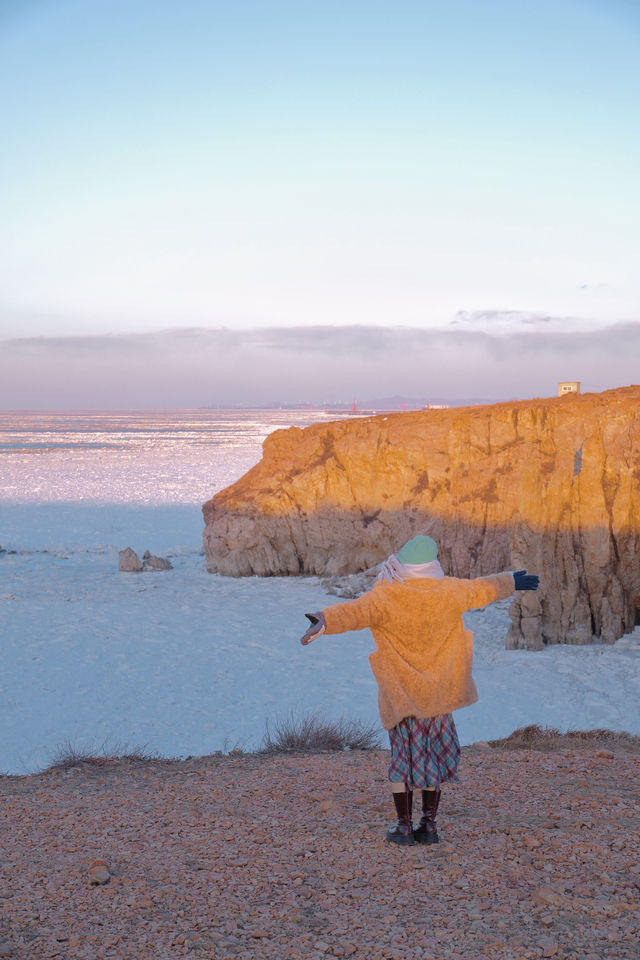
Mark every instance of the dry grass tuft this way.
pixel 69 755
pixel 315 734
pixel 549 739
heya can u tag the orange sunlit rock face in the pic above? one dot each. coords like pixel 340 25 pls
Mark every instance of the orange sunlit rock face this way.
pixel 551 485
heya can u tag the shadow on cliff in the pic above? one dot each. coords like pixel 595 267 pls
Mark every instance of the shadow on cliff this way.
pixel 590 580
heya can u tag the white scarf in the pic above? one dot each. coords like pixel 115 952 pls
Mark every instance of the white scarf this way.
pixel 394 571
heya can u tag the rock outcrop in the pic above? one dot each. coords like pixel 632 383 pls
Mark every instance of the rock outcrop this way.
pixel 129 562
pixel 150 562
pixel 552 485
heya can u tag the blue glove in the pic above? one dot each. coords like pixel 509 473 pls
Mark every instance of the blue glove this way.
pixel 526 581
pixel 317 628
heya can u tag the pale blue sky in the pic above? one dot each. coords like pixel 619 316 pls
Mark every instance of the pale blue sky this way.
pixel 469 165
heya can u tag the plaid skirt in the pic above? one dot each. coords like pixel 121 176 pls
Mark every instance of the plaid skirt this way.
pixel 424 753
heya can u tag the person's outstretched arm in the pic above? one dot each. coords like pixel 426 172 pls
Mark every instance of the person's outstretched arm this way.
pixel 485 590
pixel 353 615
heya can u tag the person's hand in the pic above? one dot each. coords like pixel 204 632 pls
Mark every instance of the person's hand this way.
pixel 317 628
pixel 526 581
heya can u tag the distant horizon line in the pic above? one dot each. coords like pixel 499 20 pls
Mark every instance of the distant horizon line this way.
pixel 340 407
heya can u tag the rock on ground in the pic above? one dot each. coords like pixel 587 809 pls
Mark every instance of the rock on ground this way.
pixel 156 563
pixel 129 561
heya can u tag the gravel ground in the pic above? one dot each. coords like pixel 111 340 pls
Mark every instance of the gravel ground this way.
pixel 283 857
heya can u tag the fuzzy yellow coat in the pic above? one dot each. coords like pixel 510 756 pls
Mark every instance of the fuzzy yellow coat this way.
pixel 423 655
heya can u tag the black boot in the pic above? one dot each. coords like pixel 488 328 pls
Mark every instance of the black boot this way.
pixel 403 831
pixel 426 831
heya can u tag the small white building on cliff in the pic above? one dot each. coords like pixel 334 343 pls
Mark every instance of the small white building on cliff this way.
pixel 568 386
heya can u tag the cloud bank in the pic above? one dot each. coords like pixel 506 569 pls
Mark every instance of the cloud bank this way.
pixel 320 364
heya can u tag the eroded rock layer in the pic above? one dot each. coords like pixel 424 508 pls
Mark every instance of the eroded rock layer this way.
pixel 552 485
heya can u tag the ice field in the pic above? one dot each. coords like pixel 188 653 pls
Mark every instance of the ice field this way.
pixel 185 663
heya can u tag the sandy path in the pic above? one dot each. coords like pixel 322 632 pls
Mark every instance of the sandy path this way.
pixel 283 857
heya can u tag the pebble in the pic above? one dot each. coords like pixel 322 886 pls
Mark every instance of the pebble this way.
pixel 549 947
pixel 545 896
pixel 99 873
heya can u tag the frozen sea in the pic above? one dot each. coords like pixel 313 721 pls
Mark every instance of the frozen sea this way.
pixel 186 663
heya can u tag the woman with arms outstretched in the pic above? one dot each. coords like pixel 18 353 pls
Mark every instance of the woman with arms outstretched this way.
pixel 422 664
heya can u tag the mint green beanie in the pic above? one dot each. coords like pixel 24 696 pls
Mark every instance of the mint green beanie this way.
pixel 419 550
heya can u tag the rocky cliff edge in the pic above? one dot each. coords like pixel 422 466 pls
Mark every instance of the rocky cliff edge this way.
pixel 552 485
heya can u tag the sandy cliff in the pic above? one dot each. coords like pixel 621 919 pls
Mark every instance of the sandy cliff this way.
pixel 552 485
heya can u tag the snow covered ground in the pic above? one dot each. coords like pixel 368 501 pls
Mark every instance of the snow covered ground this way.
pixel 183 662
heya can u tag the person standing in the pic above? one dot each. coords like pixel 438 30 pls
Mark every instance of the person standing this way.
pixel 423 667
